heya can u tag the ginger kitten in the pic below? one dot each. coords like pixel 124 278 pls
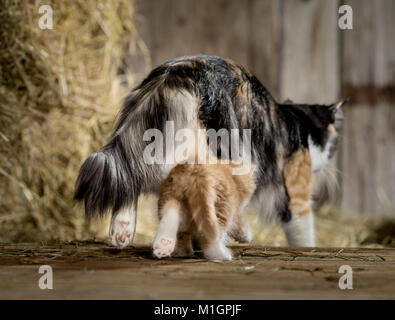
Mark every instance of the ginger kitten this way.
pixel 206 203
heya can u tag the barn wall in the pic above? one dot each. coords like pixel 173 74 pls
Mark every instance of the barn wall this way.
pixel 243 30
pixel 368 71
pixel 298 52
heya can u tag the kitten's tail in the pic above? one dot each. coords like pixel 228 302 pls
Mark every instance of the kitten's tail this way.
pixel 114 177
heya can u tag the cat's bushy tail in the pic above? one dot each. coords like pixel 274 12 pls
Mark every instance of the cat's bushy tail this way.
pixel 115 176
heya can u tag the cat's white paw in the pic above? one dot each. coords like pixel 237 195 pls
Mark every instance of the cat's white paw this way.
pixel 122 229
pixel 163 247
pixel 218 252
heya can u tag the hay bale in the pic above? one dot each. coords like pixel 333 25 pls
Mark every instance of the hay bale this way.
pixel 60 90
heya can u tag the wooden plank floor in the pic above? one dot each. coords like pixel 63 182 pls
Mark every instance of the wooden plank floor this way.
pixel 94 270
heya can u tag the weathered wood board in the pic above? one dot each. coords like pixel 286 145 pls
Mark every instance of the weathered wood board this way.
pixel 93 270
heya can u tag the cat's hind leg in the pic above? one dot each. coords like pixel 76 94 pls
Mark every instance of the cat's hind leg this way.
pixel 298 180
pixel 300 230
pixel 123 225
pixel 166 234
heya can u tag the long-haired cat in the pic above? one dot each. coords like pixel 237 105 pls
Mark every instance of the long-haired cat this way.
pixel 204 202
pixel 288 142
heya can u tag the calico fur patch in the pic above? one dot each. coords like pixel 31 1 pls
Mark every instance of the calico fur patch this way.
pixel 298 180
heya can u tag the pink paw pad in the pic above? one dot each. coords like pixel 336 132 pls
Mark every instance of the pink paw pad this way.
pixel 125 223
pixel 165 242
pixel 163 247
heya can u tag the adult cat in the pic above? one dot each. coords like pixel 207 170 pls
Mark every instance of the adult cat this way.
pixel 288 142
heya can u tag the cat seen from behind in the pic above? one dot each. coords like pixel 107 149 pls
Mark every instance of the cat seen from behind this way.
pixel 205 203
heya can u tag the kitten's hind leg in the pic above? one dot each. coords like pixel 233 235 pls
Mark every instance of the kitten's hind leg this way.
pixel 184 245
pixel 166 235
pixel 216 249
pixel 240 230
pixel 211 235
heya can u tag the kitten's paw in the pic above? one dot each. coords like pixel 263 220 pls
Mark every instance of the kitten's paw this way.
pixel 183 252
pixel 121 230
pixel 163 247
pixel 245 237
pixel 218 252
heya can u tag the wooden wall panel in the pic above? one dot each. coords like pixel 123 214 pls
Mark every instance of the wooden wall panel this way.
pixel 247 31
pixel 178 28
pixel 368 154
pixel 265 46
pixel 310 64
